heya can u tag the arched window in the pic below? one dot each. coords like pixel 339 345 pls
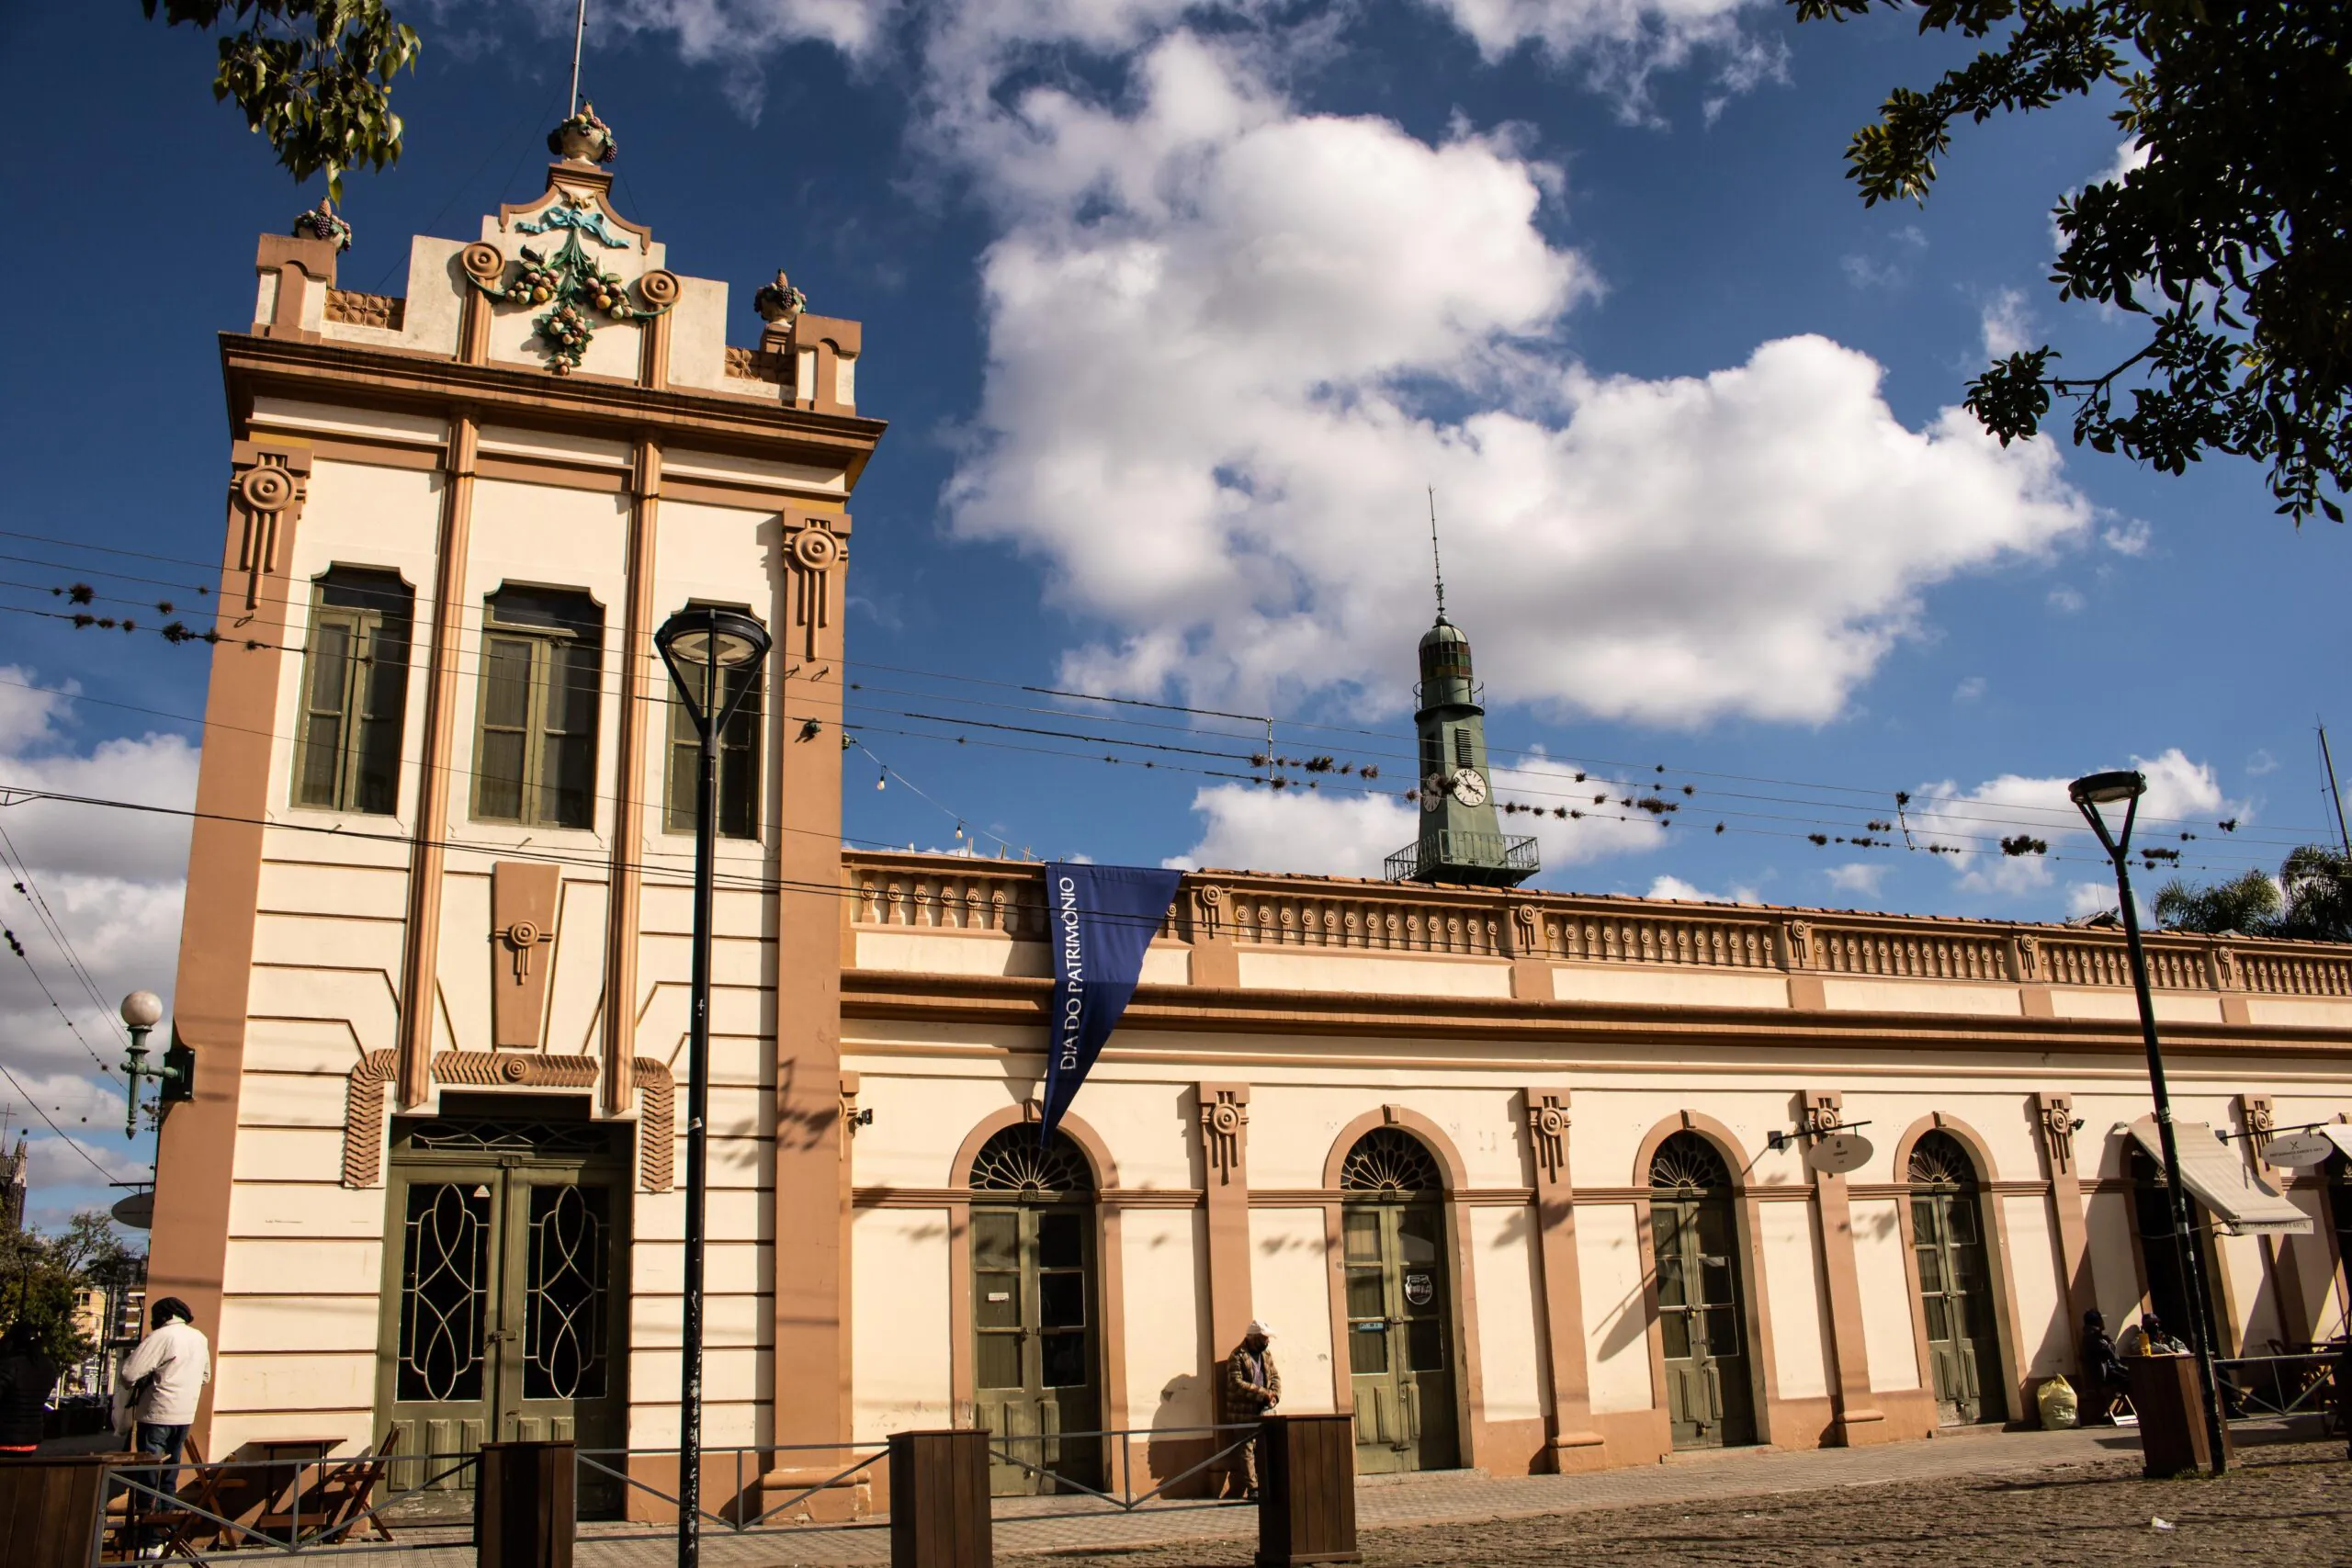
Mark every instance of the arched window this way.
pixel 1952 1267
pixel 1694 1245
pixel 1391 1165
pixel 355 692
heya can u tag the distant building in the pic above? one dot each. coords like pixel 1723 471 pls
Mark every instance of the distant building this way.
pixel 13 1185
pixel 1520 1178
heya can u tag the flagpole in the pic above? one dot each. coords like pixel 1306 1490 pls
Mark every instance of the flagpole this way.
pixel 578 41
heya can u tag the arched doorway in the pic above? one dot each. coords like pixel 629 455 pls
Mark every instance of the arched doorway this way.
pixel 1947 1232
pixel 2160 1259
pixel 1400 1305
pixel 1709 1401
pixel 1035 1286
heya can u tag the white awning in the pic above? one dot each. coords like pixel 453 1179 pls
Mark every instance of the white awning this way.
pixel 2340 1134
pixel 2217 1173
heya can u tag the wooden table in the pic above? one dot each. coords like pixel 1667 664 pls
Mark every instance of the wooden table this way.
pixel 279 1488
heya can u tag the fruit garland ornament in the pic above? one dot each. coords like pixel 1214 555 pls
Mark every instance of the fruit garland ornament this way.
pixel 575 287
pixel 323 222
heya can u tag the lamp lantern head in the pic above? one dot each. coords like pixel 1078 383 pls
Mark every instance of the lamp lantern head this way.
pixel 2105 789
pixel 143 1009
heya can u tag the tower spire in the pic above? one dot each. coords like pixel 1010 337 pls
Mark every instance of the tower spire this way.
pixel 1436 561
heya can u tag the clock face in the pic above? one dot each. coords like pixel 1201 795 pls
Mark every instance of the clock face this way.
pixel 1434 792
pixel 1469 788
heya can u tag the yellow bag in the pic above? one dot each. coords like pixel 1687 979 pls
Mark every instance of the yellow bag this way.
pixel 2059 1407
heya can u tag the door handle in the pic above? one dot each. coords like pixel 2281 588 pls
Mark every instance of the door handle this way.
pixel 502 1336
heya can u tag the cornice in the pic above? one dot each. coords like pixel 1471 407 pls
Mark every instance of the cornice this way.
pixel 393 378
pixel 1022 1001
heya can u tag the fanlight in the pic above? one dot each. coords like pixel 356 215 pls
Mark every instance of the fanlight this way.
pixel 1686 1162
pixel 1013 1162
pixel 1391 1163
pixel 1938 1160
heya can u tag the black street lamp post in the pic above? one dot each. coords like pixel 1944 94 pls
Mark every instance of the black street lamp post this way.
pixel 703 647
pixel 2089 795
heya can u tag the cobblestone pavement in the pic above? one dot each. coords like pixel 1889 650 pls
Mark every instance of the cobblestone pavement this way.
pixel 2283 1507
pixel 2038 1499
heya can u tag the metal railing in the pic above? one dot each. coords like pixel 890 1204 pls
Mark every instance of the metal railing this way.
pixel 1465 853
pixel 2265 1387
pixel 750 1464
pixel 205 1512
pixel 1069 1474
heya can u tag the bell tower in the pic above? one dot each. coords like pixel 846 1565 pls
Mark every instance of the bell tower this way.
pixel 1461 839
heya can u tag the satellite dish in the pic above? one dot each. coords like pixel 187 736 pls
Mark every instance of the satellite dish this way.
pixel 138 1212
pixel 1839 1153
pixel 2297 1150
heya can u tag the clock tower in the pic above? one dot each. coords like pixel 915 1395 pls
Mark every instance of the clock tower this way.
pixel 1461 840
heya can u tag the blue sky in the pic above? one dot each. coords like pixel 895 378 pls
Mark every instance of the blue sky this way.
pixel 1175 311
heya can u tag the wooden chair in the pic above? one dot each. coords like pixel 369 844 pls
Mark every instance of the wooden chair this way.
pixel 179 1527
pixel 346 1494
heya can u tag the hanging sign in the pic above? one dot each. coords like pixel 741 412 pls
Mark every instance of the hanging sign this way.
pixel 136 1212
pixel 2297 1150
pixel 1839 1153
pixel 1100 921
pixel 1419 1289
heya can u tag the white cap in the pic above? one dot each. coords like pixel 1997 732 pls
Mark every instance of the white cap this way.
pixel 1259 1329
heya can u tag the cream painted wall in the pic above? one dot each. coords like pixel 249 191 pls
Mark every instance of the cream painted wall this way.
pixel 1171 1366
pixel 1290 1291
pixel 1879 1243
pixel 899 1356
pixel 1393 975
pixel 1800 1313
pixel 1503 1256
pixel 1665 988
pixel 2048 1338
pixel 2114 1261
pixel 1616 1311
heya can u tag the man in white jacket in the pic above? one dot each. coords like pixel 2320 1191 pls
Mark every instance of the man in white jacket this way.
pixel 156 1392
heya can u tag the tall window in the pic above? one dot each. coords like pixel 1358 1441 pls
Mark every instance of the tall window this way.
pixel 738 756
pixel 355 692
pixel 542 657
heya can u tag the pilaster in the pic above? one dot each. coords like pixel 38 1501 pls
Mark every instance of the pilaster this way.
pixel 1858 1421
pixel 1575 1445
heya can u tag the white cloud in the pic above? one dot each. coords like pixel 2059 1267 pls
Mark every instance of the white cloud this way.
pixel 1969 824
pixel 2006 324
pixel 1856 877
pixel 1674 887
pixel 2089 898
pixel 1219 333
pixel 2067 601
pixel 2129 537
pixel 2130 154
pixel 1622 43
pixel 2261 763
pixel 1864 273
pixel 1970 689
pixel 112 882
pixel 1333 834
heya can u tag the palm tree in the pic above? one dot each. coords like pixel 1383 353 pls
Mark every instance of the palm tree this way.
pixel 2318 883
pixel 2248 904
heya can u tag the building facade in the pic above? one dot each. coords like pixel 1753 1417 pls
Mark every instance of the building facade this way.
pixel 1519 1178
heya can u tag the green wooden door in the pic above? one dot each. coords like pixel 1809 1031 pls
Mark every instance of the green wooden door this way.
pixel 505 1316
pixel 1400 1337
pixel 1695 1242
pixel 1034 1354
pixel 1955 1287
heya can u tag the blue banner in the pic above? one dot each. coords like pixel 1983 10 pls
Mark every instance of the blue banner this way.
pixel 1099 920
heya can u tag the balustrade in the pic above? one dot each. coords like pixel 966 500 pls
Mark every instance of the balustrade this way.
pixel 929 893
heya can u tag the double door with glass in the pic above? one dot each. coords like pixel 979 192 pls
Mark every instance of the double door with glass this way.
pixel 1710 1402
pixel 1400 1337
pixel 1955 1302
pixel 503 1319
pixel 1034 1345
